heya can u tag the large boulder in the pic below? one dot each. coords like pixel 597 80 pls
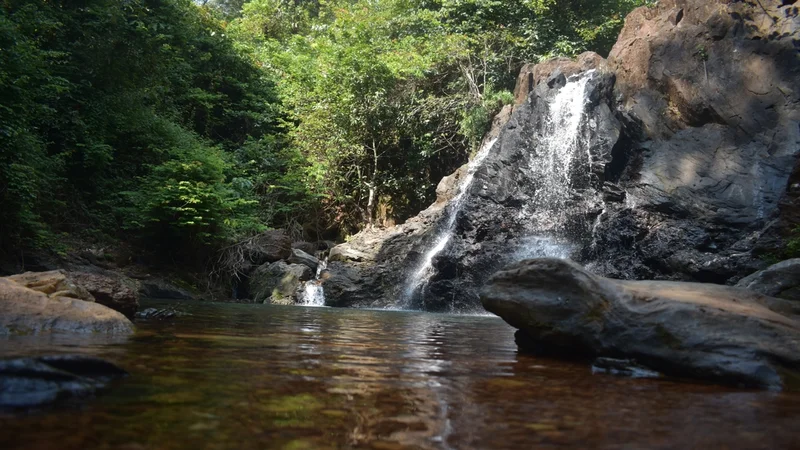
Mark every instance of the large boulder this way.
pixel 278 283
pixel 686 329
pixel 111 289
pixel 301 257
pixel 26 311
pixel 269 246
pixel 780 280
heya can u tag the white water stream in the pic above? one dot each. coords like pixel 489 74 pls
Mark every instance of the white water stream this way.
pixel 553 164
pixel 313 292
pixel 424 270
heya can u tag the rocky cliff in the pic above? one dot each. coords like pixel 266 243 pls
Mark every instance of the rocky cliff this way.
pixel 678 166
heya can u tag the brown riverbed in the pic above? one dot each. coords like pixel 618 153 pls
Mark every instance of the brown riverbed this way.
pixel 255 377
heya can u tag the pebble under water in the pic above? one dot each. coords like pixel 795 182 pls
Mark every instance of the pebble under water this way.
pixel 255 376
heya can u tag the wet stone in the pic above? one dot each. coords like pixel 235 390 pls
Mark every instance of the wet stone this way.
pixel 32 382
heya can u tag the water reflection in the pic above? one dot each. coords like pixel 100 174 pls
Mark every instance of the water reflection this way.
pixel 252 376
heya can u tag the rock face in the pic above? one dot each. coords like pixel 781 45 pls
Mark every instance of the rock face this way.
pixel 780 280
pixel 679 171
pixel 32 382
pixel 686 329
pixel 711 91
pixel 27 311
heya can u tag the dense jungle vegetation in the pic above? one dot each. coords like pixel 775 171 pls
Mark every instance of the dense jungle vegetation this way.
pixel 180 126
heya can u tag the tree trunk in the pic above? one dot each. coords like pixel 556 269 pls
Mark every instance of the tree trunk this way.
pixel 373 187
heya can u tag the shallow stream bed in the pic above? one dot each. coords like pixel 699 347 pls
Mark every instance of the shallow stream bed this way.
pixel 254 376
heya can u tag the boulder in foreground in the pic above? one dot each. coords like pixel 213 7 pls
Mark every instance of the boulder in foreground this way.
pixel 697 330
pixel 26 311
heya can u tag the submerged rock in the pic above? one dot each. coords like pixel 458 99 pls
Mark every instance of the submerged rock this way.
pixel 26 311
pixel 31 382
pixel 697 330
pixel 160 313
pixel 623 367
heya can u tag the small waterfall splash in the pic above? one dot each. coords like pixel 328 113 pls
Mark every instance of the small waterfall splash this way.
pixel 424 270
pixel 557 167
pixel 313 292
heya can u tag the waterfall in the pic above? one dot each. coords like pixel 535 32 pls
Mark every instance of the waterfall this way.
pixel 559 163
pixel 424 270
pixel 313 292
pixel 554 179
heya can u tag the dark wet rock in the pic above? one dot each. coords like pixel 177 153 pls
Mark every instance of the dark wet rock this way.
pixel 780 280
pixel 348 284
pixel 24 311
pixel 33 382
pixel 301 257
pixel 714 332
pixel 111 289
pixel 278 283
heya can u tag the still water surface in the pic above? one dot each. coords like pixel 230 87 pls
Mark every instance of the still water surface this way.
pixel 258 377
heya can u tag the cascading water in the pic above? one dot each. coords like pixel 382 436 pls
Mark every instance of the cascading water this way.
pixel 313 292
pixel 557 166
pixel 424 270
pixel 553 185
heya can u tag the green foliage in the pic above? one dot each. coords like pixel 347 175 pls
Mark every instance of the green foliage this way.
pixel 127 115
pixel 478 119
pixel 701 52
